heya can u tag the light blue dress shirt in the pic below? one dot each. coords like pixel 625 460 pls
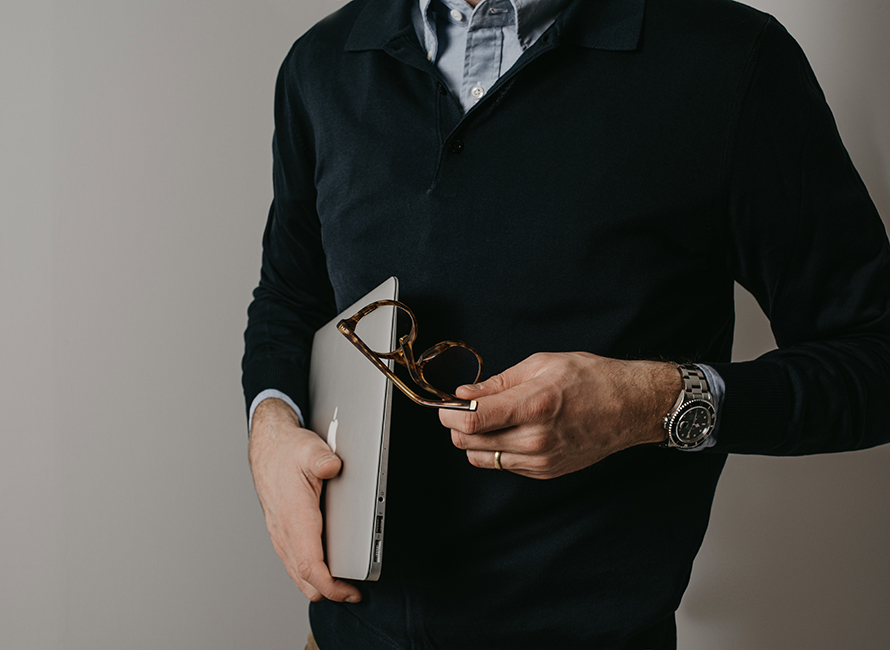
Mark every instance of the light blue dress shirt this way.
pixel 474 46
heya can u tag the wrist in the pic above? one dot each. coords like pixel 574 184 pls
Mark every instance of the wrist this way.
pixel 665 385
pixel 271 418
pixel 274 408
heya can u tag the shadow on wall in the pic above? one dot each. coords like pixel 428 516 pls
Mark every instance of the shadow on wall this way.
pixel 796 555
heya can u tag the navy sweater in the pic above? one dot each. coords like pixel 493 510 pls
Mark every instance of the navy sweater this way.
pixel 633 164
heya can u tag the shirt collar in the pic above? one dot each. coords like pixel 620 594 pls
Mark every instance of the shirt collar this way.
pixel 598 24
pixel 533 17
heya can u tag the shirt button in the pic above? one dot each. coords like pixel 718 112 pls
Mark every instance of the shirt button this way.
pixel 429 55
pixel 478 92
pixel 457 146
pixel 456 15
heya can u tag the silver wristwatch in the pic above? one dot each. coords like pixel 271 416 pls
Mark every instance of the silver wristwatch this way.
pixel 692 419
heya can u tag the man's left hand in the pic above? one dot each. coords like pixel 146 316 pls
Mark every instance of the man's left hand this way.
pixel 557 413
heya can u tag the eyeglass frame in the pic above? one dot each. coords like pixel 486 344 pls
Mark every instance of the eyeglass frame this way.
pixel 404 355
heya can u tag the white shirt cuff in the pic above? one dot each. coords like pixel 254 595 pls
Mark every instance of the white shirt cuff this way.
pixel 270 393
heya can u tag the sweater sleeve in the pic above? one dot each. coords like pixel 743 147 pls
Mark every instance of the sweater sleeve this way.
pixel 806 240
pixel 294 297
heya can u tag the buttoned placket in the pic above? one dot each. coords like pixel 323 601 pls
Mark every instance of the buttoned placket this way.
pixel 473 47
pixel 473 50
pixel 467 44
pixel 484 53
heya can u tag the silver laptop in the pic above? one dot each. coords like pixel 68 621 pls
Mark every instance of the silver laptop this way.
pixel 350 405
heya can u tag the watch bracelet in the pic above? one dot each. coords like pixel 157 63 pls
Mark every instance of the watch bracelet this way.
pixel 695 383
pixel 695 388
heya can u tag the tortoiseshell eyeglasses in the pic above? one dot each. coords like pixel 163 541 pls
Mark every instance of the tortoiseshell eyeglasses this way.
pixel 439 370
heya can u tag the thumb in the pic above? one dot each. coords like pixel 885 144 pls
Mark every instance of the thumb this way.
pixel 320 461
pixel 511 377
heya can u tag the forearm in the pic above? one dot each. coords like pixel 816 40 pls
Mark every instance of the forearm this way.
pixel 649 389
pixel 815 398
pixel 805 239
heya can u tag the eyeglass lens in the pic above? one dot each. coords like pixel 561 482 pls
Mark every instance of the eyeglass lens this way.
pixel 444 366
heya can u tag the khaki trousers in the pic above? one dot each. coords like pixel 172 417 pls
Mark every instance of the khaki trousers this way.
pixel 310 644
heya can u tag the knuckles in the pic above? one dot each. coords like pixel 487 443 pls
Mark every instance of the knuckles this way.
pixel 545 406
pixel 496 383
pixel 539 444
pixel 304 569
pixel 467 422
pixel 541 358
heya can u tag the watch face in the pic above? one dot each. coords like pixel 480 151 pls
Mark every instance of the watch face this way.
pixel 693 423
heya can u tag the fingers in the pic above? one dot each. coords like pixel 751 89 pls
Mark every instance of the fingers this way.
pixel 289 465
pixel 315 581
pixel 306 564
pixel 486 460
pixel 537 467
pixel 512 398
pixel 505 440
pixel 320 461
pixel 296 538
pixel 298 543
pixel 523 449
pixel 512 409
pixel 512 376
pixel 521 413
pixel 530 402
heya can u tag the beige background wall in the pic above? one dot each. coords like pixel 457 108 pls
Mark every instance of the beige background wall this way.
pixel 134 182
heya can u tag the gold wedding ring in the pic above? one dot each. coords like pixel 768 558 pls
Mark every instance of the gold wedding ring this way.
pixel 497 460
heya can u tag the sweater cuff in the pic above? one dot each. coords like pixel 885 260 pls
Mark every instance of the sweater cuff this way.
pixel 755 411
pixel 286 377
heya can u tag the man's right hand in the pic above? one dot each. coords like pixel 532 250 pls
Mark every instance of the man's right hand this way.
pixel 289 465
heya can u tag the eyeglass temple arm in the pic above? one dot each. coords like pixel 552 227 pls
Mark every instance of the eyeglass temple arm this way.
pixel 456 404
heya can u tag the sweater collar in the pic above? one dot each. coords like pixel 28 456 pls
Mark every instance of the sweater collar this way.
pixel 597 24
